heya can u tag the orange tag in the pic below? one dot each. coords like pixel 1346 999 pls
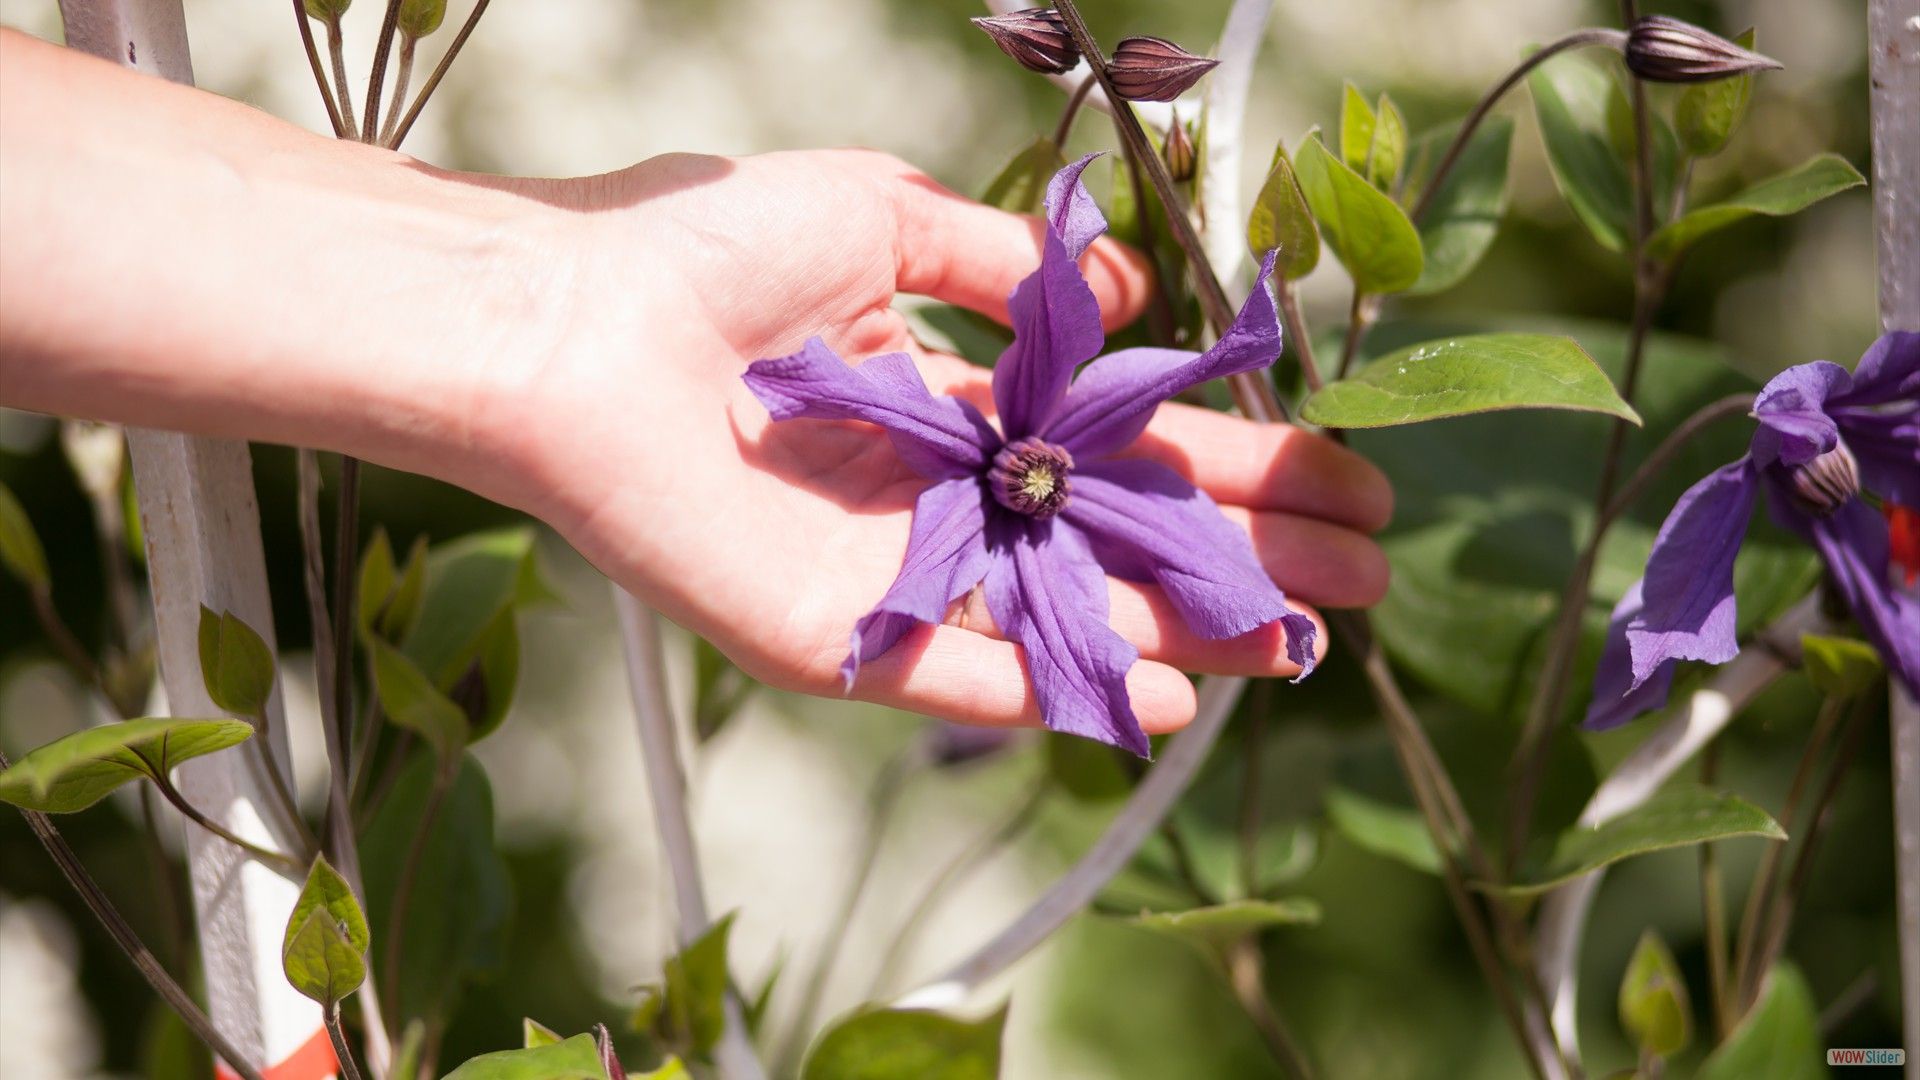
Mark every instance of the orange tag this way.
pixel 313 1061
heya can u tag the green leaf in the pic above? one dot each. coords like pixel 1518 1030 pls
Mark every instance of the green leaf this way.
pixel 1389 150
pixel 1653 1000
pixel 577 1058
pixel 1779 1039
pixel 1021 185
pixel 328 894
pixel 468 582
pixel 1778 196
pixel 1460 224
pixel 1391 832
pixel 320 962
pixel 1368 233
pixel 887 1044
pixel 696 991
pixel 1570 100
pixel 1464 375
pixel 535 1034
pixel 1281 222
pixel 671 1069
pixel 412 701
pixel 1679 816
pixel 377 578
pixel 402 612
pixel 1707 113
pixel 75 771
pixel 1623 135
pixel 411 1049
pixel 1840 667
pixel 235 663
pixel 498 667
pixel 20 550
pixel 1356 128
pixel 1087 770
pixel 458 918
pixel 1216 929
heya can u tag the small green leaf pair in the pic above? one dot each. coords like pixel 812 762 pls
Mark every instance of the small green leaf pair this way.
pixel 325 948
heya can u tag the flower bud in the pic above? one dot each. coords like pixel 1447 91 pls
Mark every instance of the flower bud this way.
pixel 1037 38
pixel 1154 69
pixel 1828 482
pixel 1178 151
pixel 326 10
pixel 1660 49
pixel 418 18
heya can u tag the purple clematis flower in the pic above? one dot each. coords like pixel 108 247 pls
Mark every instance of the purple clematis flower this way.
pixel 1824 436
pixel 1040 510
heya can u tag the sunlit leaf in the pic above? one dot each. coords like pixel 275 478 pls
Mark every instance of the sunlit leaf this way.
pixel 328 893
pixel 1840 667
pixel 1367 231
pixel 324 950
pixel 1707 113
pixel 468 582
pixel 1216 929
pixel 577 1058
pixel 696 991
pixel 377 578
pixel 1281 222
pixel 1679 816
pixel 1356 128
pixel 887 1044
pixel 1570 99
pixel 1653 999
pixel 1463 218
pixel 235 663
pixel 1389 150
pixel 534 1034
pixel 1778 196
pixel 1463 375
pixel 413 702
pixel 75 771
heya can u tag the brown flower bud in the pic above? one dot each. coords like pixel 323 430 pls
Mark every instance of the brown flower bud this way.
pixel 1037 38
pixel 1660 49
pixel 1154 69
pixel 1178 151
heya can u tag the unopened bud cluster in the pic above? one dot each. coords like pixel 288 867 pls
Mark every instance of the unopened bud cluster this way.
pixel 1141 69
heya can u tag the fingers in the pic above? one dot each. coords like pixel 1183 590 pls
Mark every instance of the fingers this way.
pixel 962 252
pixel 1315 561
pixel 969 678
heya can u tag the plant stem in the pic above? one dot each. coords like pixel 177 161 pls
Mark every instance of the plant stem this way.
pixel 376 82
pixel 123 935
pixel 1246 972
pixel 439 71
pixel 1713 909
pixel 346 541
pixel 964 862
pixel 1296 326
pixel 286 862
pixel 887 788
pixel 1247 388
pixel 336 46
pixel 73 654
pixel 1067 115
pixel 342 1052
pixel 400 80
pixel 1536 734
pixel 1590 36
pixel 319 75
pixel 443 778
pixel 1359 320
pixel 1162 327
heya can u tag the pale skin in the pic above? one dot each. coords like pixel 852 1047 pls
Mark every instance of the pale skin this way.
pixel 573 348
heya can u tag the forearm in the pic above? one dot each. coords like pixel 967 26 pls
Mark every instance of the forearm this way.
pixel 176 260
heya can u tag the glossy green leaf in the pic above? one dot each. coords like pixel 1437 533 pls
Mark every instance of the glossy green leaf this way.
pixel 1840 667
pixel 1653 1000
pixel 1356 128
pixel 1281 222
pixel 320 962
pixel 1367 231
pixel 1779 196
pixel 1389 150
pixel 1460 224
pixel 534 1034
pixel 235 663
pixel 458 917
pixel 1707 113
pixel 577 1058
pixel 468 582
pixel 412 701
pixel 1087 770
pixel 1570 98
pixel 328 894
pixel 1391 832
pixel 1778 1040
pixel 1021 185
pixel 75 771
pixel 1679 816
pixel 20 551
pixel 671 1069
pixel 1464 375
pixel 887 1044
pixel 1216 929
pixel 694 1012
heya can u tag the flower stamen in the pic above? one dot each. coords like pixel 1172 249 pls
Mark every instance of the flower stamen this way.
pixel 1029 477
pixel 1826 483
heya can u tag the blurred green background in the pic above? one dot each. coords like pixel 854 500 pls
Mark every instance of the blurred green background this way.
pixel 1384 986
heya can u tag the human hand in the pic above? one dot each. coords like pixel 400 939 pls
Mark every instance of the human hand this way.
pixel 637 439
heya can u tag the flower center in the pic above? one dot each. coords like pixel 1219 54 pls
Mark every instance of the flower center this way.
pixel 1824 484
pixel 1030 477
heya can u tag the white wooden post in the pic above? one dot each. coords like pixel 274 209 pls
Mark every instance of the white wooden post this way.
pixel 1893 42
pixel 202 528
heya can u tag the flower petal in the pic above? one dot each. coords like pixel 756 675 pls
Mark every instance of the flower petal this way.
pixel 1888 371
pixel 1146 522
pixel 1616 698
pixel 939 437
pixel 1856 546
pixel 1886 445
pixel 1689 610
pixel 1056 320
pixel 946 556
pixel 1048 594
pixel 1794 425
pixel 1110 403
